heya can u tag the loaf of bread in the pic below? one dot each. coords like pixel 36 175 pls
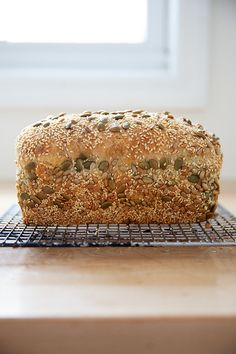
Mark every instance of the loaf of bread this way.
pixel 117 167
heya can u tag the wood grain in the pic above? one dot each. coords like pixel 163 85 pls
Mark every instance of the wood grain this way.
pixel 117 282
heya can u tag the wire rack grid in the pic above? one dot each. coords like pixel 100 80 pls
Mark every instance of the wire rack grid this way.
pixel 220 231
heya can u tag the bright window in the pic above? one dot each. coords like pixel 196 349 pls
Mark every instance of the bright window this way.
pixel 103 53
pixel 84 35
pixel 73 21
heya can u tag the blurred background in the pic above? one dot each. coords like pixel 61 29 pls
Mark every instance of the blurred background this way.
pixel 74 55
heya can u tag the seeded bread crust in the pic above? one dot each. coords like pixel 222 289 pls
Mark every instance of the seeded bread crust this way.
pixel 117 167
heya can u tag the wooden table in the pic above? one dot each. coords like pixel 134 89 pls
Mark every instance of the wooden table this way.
pixel 118 300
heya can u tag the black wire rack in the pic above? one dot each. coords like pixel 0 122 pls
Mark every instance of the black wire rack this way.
pixel 220 231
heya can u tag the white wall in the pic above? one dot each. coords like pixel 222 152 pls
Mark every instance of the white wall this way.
pixel 220 113
pixel 218 116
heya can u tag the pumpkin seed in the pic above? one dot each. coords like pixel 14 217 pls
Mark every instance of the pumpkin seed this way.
pixel 59 173
pixel 58 203
pixel 104 119
pixel 105 113
pixel 134 169
pixel 193 178
pixel 87 129
pixel 93 166
pixel 147 180
pixel 68 125
pixel 166 198
pixel 144 165
pixel 35 199
pixel 101 126
pixel 199 134
pixel 24 196
pixel 153 164
pixel 121 188
pixel 111 184
pixel 52 117
pixel 119 116
pixel 188 121
pixel 86 114
pixel 78 165
pixel 41 195
pixel 61 114
pixel 30 166
pixel 91 118
pixel 32 176
pixel 46 124
pixel 83 156
pixel 103 166
pixel 178 163
pixel 114 127
pixel 37 124
pixel 163 163
pixel 106 205
pixel 123 168
pixel 47 190
pixel 31 204
pixel 87 164
pixel 66 165
pixel 65 197
pixel 126 125
pixel 146 116
pixel 160 126
pixel 138 201
pixel 137 111
pixel 202 174
pixel 121 195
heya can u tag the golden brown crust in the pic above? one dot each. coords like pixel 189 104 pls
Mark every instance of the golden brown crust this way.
pixel 130 166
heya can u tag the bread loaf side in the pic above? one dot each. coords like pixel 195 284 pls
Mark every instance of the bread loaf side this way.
pixel 117 167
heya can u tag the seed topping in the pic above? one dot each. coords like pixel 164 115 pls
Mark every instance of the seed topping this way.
pixel 178 163
pixel 47 190
pixel 114 127
pixel 106 205
pixel 193 178
pixel 103 166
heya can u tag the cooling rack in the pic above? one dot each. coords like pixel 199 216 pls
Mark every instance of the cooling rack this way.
pixel 220 231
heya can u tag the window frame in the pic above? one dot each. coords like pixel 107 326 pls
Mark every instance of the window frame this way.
pixel 94 56
pixel 168 72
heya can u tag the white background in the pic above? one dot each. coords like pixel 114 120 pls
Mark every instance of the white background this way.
pixel 218 113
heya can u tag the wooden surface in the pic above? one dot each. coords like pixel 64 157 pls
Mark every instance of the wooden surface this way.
pixel 118 300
